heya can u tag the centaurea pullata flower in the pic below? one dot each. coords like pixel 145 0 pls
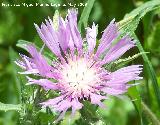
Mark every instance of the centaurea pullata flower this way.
pixel 79 72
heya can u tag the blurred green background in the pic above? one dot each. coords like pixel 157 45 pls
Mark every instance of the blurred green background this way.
pixel 17 23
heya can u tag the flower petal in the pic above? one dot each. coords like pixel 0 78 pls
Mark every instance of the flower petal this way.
pixel 76 105
pixel 117 81
pixel 109 35
pixel 118 50
pixel 39 61
pixel 63 34
pixel 52 102
pixel 91 38
pixel 45 83
pixel 75 35
pixel 28 65
pixel 96 99
pixel 30 71
pixel 49 37
pixel 112 91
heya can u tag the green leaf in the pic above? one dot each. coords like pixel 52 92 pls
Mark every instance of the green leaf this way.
pixel 150 70
pixel 9 107
pixel 23 44
pixel 88 114
pixel 121 62
pixel 85 14
pixel 47 53
pixel 136 99
pixel 129 25
pixel 131 20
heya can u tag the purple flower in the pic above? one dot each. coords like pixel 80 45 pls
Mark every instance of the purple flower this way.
pixel 79 72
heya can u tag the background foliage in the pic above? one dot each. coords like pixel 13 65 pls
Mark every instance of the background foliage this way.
pixel 143 24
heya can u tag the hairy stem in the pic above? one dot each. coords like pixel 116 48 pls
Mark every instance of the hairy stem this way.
pixel 150 114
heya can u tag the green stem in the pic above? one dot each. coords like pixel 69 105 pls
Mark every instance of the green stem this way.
pixel 149 114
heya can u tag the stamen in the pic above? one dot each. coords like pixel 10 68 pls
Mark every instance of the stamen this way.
pixel 78 76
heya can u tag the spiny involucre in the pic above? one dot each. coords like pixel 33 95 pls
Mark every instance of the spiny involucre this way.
pixel 79 72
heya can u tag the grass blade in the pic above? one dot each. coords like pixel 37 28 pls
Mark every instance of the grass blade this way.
pixel 85 14
pixel 150 70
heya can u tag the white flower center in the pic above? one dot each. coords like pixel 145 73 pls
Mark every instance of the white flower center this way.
pixel 79 75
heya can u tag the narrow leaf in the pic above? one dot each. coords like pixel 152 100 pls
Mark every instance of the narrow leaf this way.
pixel 131 20
pixel 85 14
pixel 22 44
pixel 150 70
pixel 47 53
pixel 136 99
pixel 129 59
pixel 9 107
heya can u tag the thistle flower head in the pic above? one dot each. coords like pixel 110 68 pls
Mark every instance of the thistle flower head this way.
pixel 79 73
